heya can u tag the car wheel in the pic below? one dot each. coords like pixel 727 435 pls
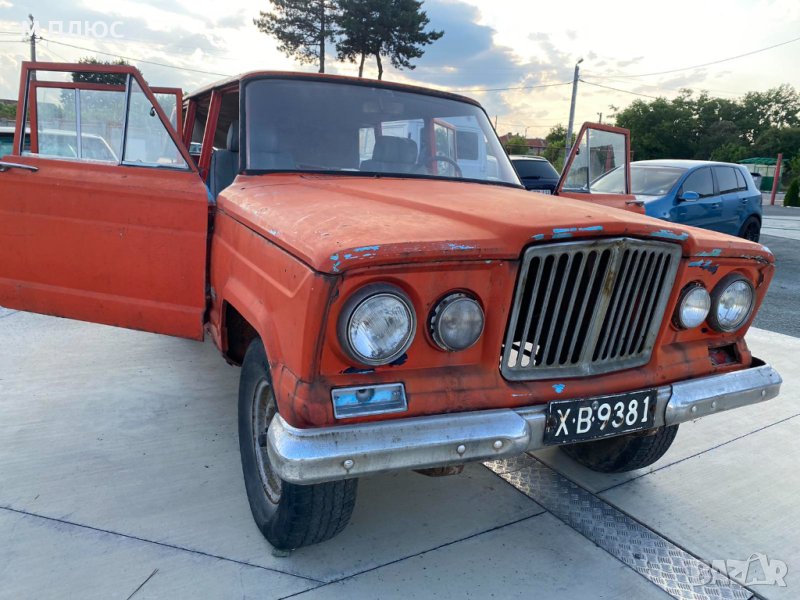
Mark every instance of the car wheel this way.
pixel 751 229
pixel 623 453
pixel 289 515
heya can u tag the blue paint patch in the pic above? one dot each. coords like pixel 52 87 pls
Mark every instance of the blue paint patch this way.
pixel 714 252
pixel 538 236
pixel 557 236
pixel 706 265
pixel 334 257
pixel 592 228
pixel 365 248
pixel 670 235
pixel 565 230
pixel 559 387
pixel 460 247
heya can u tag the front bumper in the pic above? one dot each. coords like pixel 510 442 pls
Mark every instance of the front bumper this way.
pixel 308 456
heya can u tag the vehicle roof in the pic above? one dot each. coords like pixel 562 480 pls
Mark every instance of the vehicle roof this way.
pixel 326 77
pixel 524 157
pixel 681 163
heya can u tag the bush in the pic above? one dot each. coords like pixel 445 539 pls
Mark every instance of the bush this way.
pixel 792 197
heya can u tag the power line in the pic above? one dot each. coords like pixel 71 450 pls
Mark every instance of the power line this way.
pixel 519 87
pixel 138 60
pixel 708 64
pixel 608 87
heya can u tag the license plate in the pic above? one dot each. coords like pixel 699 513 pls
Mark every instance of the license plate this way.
pixel 592 418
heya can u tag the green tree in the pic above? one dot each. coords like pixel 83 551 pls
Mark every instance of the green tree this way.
pixel 516 144
pixel 8 111
pixel 103 78
pixel 302 27
pixel 555 143
pixel 777 107
pixel 792 197
pixel 394 29
pixel 731 152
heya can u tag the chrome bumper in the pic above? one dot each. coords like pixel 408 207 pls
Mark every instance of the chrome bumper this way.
pixel 325 454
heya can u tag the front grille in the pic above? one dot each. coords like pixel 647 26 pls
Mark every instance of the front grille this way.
pixel 584 308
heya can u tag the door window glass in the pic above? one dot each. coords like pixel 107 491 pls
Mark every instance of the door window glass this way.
pixel 701 182
pixel 726 178
pixel 147 141
pixel 599 165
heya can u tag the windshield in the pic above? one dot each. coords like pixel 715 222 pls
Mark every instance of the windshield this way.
pixel 645 180
pixel 315 126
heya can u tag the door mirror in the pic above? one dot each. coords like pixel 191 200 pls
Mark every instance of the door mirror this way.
pixel 689 197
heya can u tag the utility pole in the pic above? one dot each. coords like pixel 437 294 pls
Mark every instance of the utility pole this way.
pixel 600 118
pixel 572 107
pixel 32 36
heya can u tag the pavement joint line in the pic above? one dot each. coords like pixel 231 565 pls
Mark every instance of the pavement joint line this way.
pixel 685 458
pixel 162 544
pixel 620 537
pixel 414 555
pixel 141 585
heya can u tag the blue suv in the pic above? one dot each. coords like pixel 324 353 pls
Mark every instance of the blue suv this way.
pixel 713 195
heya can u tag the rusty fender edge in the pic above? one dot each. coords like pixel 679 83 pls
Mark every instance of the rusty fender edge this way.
pixel 306 456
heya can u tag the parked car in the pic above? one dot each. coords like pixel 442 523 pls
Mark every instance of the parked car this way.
pixel 389 309
pixel 59 143
pixel 536 173
pixel 6 140
pixel 713 195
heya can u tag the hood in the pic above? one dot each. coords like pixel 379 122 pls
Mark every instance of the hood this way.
pixel 336 222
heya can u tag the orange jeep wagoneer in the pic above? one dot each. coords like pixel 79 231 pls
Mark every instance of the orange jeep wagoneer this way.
pixel 366 253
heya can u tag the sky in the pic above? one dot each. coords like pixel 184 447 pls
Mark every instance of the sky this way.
pixel 515 56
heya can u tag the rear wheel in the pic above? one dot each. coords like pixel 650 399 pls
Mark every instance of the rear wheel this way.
pixel 623 453
pixel 289 515
pixel 751 229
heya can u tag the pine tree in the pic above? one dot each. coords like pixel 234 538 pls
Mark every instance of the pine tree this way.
pixel 302 27
pixel 394 29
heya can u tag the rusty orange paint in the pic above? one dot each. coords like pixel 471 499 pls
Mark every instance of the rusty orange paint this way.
pixel 127 246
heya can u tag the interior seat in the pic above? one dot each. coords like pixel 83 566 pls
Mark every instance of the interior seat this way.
pixel 225 163
pixel 392 155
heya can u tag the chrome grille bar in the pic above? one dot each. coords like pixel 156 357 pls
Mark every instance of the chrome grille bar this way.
pixel 589 307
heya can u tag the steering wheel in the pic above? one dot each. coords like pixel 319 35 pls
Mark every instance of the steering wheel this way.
pixel 447 159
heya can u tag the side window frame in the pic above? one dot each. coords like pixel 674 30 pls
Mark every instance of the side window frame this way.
pixel 29 84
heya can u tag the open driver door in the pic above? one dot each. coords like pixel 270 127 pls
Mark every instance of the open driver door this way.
pixel 103 216
pixel 598 168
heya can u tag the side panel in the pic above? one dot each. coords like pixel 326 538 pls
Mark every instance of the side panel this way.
pixel 109 244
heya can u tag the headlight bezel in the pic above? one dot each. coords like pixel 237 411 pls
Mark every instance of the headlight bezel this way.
pixel 717 293
pixel 434 319
pixel 678 317
pixel 355 301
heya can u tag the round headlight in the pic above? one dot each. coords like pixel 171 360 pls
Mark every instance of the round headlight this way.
pixel 693 307
pixel 456 322
pixel 377 325
pixel 731 303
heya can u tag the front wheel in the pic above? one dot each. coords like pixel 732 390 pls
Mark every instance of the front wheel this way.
pixel 289 515
pixel 623 453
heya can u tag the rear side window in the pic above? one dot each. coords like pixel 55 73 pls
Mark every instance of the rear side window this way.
pixel 726 178
pixel 740 180
pixel 537 169
pixel 701 182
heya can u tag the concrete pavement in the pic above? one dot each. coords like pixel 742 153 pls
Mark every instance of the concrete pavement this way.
pixel 120 478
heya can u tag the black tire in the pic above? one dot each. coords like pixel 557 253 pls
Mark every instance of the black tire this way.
pixel 290 516
pixel 751 229
pixel 624 453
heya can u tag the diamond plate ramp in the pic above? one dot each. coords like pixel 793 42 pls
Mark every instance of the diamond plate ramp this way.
pixel 671 568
